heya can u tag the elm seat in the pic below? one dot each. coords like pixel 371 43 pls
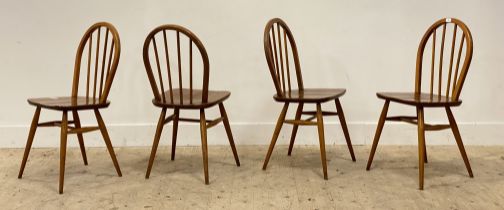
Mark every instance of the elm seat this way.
pixel 312 95
pixel 423 99
pixel 68 103
pixel 214 98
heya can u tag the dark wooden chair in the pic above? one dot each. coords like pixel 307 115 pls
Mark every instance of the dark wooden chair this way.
pixel 434 99
pixel 277 41
pixel 97 84
pixel 181 98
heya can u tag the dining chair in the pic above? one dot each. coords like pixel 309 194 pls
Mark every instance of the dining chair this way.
pixel 187 96
pixel 100 70
pixel 461 47
pixel 278 42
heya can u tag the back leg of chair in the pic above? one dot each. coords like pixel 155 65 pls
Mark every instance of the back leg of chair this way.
pixel 31 135
pixel 341 116
pixel 79 136
pixel 225 120
pixel 458 139
pixel 155 144
pixel 295 127
pixel 106 138
pixel 379 129
pixel 278 127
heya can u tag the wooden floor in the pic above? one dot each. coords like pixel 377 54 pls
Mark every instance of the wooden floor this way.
pixel 294 182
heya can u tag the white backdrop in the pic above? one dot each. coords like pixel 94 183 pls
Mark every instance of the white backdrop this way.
pixel 365 46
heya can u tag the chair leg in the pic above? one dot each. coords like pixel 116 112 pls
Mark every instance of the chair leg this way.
pixel 278 127
pixel 204 146
pixel 458 139
pixel 379 129
pixel 228 132
pixel 295 128
pixel 421 146
pixel 176 115
pixel 425 153
pixel 155 144
pixel 31 135
pixel 106 138
pixel 63 145
pixel 79 136
pixel 320 126
pixel 341 116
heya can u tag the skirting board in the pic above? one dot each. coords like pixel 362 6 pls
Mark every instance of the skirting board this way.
pixel 124 135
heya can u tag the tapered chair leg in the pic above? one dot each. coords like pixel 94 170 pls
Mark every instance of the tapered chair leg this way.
pixel 176 115
pixel 225 120
pixel 320 126
pixel 458 139
pixel 421 146
pixel 341 116
pixel 155 144
pixel 106 138
pixel 204 146
pixel 379 129
pixel 295 128
pixel 63 145
pixel 31 135
pixel 79 136
pixel 278 127
pixel 425 153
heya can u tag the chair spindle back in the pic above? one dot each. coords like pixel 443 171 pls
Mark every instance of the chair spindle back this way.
pixel 459 46
pixel 162 33
pixel 277 41
pixel 99 64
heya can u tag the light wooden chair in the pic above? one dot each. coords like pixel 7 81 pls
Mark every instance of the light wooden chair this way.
pixel 181 98
pixel 278 39
pixel 98 84
pixel 462 49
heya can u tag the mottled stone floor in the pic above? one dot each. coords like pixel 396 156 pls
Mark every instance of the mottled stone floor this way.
pixel 289 183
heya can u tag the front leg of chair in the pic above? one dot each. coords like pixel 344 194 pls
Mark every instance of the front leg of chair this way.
pixel 379 129
pixel 278 127
pixel 421 146
pixel 295 128
pixel 155 143
pixel 458 139
pixel 106 138
pixel 204 146
pixel 79 136
pixel 320 126
pixel 341 116
pixel 63 145
pixel 227 126
pixel 29 142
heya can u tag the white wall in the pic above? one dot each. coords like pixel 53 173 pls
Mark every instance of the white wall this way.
pixel 364 46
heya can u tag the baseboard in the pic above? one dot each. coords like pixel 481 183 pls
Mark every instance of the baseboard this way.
pixel 124 135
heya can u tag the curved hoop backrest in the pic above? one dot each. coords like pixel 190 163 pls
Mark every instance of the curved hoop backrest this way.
pixel 277 39
pixel 167 95
pixel 464 43
pixel 101 61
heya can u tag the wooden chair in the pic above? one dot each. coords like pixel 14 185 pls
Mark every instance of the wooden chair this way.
pixel 97 86
pixel 460 47
pixel 182 98
pixel 277 41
